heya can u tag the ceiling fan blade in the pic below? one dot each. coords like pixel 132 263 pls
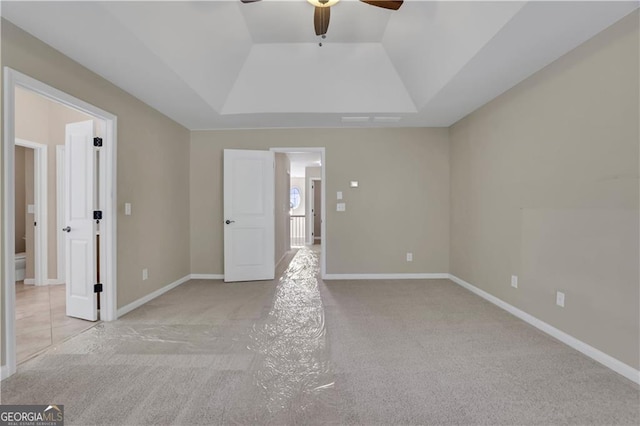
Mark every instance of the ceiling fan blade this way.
pixel 249 1
pixel 321 19
pixel 385 4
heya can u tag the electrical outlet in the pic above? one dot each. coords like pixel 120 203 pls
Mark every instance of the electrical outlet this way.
pixel 145 274
pixel 514 281
pixel 560 299
pixel 409 257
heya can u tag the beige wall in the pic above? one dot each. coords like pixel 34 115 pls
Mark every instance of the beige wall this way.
pixel 394 167
pixel 282 181
pixel 21 204
pixel 43 121
pixel 153 167
pixel 544 184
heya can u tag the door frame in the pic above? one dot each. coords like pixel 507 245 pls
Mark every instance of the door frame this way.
pixel 61 196
pixel 310 237
pixel 108 202
pixel 323 216
pixel 40 193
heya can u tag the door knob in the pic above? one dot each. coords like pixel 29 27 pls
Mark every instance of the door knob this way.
pixel 67 229
pixel 229 222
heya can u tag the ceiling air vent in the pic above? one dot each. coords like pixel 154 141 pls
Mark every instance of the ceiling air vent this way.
pixel 355 119
pixel 386 119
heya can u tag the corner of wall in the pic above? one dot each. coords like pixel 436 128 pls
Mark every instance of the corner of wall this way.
pixel 2 296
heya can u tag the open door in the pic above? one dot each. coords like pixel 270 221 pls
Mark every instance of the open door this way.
pixel 80 247
pixel 249 240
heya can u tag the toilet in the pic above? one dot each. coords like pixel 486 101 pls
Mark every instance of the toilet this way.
pixel 21 266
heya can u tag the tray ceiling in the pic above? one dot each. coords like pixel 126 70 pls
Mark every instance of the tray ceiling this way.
pixel 225 64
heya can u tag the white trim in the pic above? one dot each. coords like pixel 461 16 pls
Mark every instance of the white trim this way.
pixel 9 335
pixel 323 216
pixel 108 202
pixel 149 297
pixel 60 203
pixel 29 281
pixel 40 216
pixel 401 276
pixel 55 281
pixel 593 353
pixel 207 276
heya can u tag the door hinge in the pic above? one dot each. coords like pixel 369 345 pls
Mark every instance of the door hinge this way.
pixel 97 288
pixel 97 142
pixel 97 215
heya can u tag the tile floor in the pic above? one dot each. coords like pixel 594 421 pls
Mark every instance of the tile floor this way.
pixel 41 320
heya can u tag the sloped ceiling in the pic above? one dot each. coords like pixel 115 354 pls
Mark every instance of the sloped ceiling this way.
pixel 225 64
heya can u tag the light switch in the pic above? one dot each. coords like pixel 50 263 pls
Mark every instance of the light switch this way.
pixel 353 184
pixel 127 209
pixel 339 195
pixel 341 207
pixel 31 208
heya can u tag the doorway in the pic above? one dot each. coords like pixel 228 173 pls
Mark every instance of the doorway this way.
pixel 103 201
pixel 307 164
pixel 316 187
pixel 30 175
pixel 43 317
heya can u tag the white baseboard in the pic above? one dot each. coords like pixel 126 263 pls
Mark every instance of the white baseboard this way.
pixel 207 276
pixel 55 282
pixel 136 304
pixel 401 276
pixel 593 353
pixel 4 372
pixel 29 281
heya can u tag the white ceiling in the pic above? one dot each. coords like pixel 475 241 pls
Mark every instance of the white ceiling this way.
pixel 224 64
pixel 299 161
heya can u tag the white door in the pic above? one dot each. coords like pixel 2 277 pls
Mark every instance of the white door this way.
pixel 249 240
pixel 80 247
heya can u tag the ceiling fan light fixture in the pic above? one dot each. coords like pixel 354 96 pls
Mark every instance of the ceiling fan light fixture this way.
pixel 323 3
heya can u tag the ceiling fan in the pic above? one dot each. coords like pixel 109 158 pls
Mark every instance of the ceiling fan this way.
pixel 323 11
